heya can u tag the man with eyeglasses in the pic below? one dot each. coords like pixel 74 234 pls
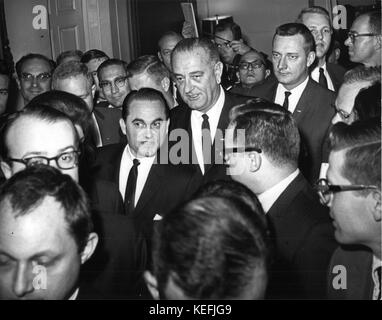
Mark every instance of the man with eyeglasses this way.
pixel 34 75
pixel 228 39
pixel 354 81
pixel 113 83
pixel 364 39
pixel 318 21
pixel 252 71
pixel 352 191
pixel 262 146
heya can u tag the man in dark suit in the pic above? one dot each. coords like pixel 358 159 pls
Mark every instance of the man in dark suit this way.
pixel 318 21
pixel 262 149
pixel 352 190
pixel 311 105
pixel 197 72
pixel 149 184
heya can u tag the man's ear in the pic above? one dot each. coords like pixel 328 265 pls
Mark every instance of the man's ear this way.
pixel 160 56
pixel 5 167
pixel 167 125
pixel 374 203
pixel 152 284
pixel 122 124
pixel 218 71
pixel 91 245
pixel 93 90
pixel 311 58
pixel 18 82
pixel 165 83
pixel 255 161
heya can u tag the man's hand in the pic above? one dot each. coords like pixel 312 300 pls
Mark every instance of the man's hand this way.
pixel 239 47
pixel 188 30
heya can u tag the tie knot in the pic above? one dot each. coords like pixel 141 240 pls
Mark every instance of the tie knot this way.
pixel 322 70
pixel 287 94
pixel 205 117
pixel 136 162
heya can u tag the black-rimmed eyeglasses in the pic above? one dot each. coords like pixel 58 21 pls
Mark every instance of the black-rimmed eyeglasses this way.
pixel 65 161
pixel 326 190
pixel 353 35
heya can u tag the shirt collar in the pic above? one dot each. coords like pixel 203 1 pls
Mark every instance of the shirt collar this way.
pixel 215 110
pixel 269 197
pixel 297 91
pixel 74 295
pixel 131 157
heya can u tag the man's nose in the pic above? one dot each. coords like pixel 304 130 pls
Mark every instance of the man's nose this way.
pixel 23 282
pixel 188 85
pixel 34 82
pixel 336 118
pixel 348 42
pixel 282 63
pixel 114 88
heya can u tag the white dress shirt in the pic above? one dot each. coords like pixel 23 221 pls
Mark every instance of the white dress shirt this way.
pixel 143 172
pixel 196 126
pixel 376 263
pixel 269 197
pixel 316 76
pixel 293 98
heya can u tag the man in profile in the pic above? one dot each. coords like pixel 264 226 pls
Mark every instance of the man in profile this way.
pixel 46 235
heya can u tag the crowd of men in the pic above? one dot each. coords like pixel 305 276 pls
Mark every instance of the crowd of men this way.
pixel 205 171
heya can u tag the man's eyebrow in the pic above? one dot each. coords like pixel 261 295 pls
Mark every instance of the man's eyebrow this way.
pixel 7 255
pixel 66 149
pixel 157 119
pixel 46 253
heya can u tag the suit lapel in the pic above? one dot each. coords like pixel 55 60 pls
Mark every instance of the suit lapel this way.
pixel 152 185
pixel 303 102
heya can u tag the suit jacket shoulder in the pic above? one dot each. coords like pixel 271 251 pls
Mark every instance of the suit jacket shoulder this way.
pixel 357 263
pixel 336 73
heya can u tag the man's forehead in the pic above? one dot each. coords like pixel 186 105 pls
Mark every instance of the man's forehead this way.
pixel 112 72
pixel 226 34
pixel 147 109
pixel 35 63
pixel 4 81
pixel 296 42
pixel 315 18
pixel 361 24
pixel 251 56
pixel 192 57
pixel 169 41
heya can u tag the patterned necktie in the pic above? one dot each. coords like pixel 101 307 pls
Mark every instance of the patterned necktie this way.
pixel 286 100
pixel 130 187
pixel 206 143
pixel 322 79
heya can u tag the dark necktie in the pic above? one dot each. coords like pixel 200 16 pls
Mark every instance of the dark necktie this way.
pixel 206 143
pixel 322 79
pixel 286 100
pixel 130 187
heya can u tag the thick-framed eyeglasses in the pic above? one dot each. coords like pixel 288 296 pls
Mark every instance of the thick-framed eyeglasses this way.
pixel 228 151
pixel 326 190
pixel 65 161
pixel 42 77
pixel 353 35
pixel 343 114
pixel 118 82
pixel 3 92
pixel 250 65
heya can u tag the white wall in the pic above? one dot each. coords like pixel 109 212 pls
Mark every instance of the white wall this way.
pixel 258 19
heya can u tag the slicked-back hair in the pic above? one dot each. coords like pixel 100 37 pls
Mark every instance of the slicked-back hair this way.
pixel 93 54
pixel 211 248
pixel 30 56
pixel 232 26
pixel 68 54
pixel 72 106
pixel 367 103
pixel 292 29
pixel 36 111
pixel 169 34
pixel 151 65
pixel 144 94
pixel 362 73
pixel 314 9
pixel 269 127
pixel 361 142
pixel 70 69
pixel 26 190
pixel 374 21
pixel 109 63
pixel 194 44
